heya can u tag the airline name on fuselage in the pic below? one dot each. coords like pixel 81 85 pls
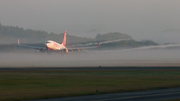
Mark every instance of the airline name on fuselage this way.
pixel 53 45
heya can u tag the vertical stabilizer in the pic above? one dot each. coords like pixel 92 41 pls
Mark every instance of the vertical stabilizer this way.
pixel 64 41
pixel 18 41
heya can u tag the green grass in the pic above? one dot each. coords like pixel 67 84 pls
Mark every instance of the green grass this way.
pixel 26 85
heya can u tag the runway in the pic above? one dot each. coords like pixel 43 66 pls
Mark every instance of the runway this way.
pixel 91 68
pixel 149 95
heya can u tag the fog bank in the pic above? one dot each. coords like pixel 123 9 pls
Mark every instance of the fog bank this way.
pixel 161 56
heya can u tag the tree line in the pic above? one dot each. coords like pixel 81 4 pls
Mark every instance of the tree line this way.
pixel 10 34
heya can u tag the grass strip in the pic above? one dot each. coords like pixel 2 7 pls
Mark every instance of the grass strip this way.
pixel 41 84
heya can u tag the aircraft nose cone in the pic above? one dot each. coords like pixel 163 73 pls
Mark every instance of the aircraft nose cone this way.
pixel 47 45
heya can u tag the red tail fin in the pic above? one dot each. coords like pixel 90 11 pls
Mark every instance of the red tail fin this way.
pixel 18 41
pixel 64 41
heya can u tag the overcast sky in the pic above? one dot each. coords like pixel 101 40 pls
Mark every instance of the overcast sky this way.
pixel 138 18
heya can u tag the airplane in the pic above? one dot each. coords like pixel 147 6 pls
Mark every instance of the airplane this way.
pixel 52 45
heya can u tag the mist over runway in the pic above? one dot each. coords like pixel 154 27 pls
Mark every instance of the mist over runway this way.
pixel 144 56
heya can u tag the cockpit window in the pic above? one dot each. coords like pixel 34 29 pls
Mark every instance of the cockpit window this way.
pixel 48 42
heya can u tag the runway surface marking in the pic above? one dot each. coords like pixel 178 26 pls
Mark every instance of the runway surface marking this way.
pixel 137 96
pixel 148 95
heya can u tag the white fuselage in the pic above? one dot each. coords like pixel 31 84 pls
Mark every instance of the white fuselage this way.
pixel 52 45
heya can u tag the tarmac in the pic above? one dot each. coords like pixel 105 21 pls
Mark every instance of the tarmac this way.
pixel 149 95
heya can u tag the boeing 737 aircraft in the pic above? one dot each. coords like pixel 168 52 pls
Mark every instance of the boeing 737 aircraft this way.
pixel 52 45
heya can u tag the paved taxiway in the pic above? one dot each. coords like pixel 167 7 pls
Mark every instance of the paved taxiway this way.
pixel 149 95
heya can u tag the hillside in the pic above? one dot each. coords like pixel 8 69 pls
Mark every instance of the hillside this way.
pixel 112 36
pixel 10 34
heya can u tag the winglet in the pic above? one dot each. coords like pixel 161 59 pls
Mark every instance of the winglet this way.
pixel 18 41
pixel 99 44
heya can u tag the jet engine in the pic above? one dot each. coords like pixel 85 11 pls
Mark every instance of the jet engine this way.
pixel 42 50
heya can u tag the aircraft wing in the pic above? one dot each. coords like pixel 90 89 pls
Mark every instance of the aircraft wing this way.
pixel 82 48
pixel 33 47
